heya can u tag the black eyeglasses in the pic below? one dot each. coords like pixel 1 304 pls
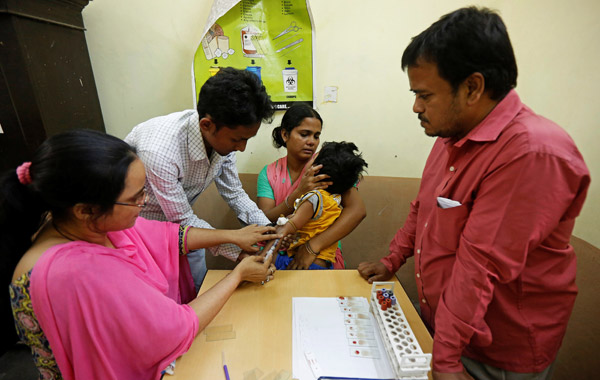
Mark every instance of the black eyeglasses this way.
pixel 143 198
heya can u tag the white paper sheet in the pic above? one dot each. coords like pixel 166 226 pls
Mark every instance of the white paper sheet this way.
pixel 319 328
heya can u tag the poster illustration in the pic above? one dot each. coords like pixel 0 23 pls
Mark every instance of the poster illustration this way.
pixel 271 38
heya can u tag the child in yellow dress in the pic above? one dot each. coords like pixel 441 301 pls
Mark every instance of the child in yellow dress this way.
pixel 316 210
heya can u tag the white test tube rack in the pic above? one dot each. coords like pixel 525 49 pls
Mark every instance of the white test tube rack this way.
pixel 405 354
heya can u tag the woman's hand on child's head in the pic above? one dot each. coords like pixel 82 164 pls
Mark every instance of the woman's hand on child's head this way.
pixel 247 237
pixel 302 259
pixel 311 180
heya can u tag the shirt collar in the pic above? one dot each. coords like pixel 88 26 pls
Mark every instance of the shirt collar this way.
pixel 197 150
pixel 494 123
pixel 196 147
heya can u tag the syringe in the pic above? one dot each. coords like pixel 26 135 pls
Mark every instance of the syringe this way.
pixel 282 220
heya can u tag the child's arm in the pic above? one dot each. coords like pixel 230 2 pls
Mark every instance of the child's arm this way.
pixel 353 212
pixel 245 238
pixel 294 222
pixel 302 258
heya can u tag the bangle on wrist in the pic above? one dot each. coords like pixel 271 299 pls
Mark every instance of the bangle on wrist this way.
pixel 293 225
pixel 309 249
pixel 286 202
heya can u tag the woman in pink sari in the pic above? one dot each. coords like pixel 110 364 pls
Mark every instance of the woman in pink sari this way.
pixel 285 180
pixel 97 292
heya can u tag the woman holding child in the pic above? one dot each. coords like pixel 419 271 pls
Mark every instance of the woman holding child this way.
pixel 287 179
pixel 98 292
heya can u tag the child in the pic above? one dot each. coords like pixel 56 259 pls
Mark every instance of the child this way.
pixel 316 210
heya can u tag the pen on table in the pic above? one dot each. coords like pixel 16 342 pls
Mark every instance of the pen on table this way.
pixel 225 366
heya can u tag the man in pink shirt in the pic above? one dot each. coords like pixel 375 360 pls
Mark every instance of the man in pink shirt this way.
pixel 491 224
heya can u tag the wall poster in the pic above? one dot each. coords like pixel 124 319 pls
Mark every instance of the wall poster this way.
pixel 271 38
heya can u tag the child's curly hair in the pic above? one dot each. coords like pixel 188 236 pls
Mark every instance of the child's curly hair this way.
pixel 343 163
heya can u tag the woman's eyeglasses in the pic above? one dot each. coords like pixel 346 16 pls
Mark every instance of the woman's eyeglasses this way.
pixel 140 202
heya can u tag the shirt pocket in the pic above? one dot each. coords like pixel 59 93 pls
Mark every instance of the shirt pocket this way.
pixel 448 224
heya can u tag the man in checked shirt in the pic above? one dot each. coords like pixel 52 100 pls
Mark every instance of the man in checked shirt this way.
pixel 184 152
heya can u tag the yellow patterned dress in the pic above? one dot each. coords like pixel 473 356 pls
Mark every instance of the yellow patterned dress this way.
pixel 326 209
pixel 29 330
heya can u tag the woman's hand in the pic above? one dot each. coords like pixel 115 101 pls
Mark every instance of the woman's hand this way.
pixel 311 180
pixel 255 269
pixel 302 259
pixel 246 237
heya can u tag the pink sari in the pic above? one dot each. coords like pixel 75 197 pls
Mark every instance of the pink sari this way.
pixel 115 313
pixel 279 179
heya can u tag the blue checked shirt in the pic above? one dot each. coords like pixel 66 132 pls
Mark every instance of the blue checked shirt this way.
pixel 178 171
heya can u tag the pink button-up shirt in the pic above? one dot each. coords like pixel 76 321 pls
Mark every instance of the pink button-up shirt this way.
pixel 496 274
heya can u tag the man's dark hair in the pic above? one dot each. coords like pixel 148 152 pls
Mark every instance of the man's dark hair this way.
pixel 235 97
pixel 464 42
pixel 343 163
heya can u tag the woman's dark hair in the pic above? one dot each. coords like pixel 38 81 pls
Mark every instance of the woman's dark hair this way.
pixel 235 97
pixel 466 41
pixel 78 166
pixel 343 163
pixel 291 119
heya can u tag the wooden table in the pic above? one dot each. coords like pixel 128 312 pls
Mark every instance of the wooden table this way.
pixel 261 317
